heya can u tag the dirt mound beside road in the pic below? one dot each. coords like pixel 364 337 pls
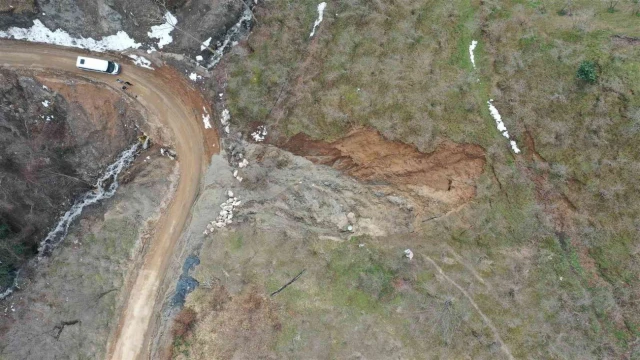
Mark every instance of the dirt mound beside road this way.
pixel 448 173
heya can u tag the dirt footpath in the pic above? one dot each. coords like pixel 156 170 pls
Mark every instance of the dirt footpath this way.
pixel 169 106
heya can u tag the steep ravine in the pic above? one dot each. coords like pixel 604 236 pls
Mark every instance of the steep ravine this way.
pixel 54 146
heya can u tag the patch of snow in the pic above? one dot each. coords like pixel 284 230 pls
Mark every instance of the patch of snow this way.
pixel 259 134
pixel 151 50
pixel 514 147
pixel 225 117
pixel 501 127
pixel 162 32
pixel 408 254
pixel 243 163
pixel 472 47
pixel 141 61
pixel 199 58
pixel 45 87
pixel 321 8
pixel 46 103
pixel 229 38
pixel 206 119
pixel 205 44
pixel 40 33
pixel 224 120
pixel 193 76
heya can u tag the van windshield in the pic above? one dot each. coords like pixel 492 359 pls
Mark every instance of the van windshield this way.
pixel 110 67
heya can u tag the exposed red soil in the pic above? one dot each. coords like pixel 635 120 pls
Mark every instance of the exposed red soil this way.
pixel 451 170
pixel 196 101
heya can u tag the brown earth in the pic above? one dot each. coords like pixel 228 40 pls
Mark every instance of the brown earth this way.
pixel 98 102
pixel 448 173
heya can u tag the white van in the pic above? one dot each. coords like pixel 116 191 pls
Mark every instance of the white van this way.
pixel 98 65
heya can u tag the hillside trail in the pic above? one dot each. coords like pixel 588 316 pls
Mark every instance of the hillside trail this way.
pixel 169 101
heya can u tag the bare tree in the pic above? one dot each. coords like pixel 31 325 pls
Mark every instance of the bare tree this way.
pixel 611 5
pixel 447 319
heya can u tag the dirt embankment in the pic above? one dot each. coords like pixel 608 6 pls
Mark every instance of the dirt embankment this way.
pixel 447 174
pixel 55 138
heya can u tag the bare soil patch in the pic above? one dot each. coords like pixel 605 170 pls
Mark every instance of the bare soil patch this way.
pixel 366 155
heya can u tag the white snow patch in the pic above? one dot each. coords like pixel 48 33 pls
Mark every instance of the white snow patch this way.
pixel 151 50
pixel 225 117
pixel 501 127
pixel 199 58
pixel 514 147
pixel 472 47
pixel 162 32
pixel 243 163
pixel 259 134
pixel 408 254
pixel 39 33
pixel 46 103
pixel 45 87
pixel 206 119
pixel 193 76
pixel 321 8
pixel 205 44
pixel 141 61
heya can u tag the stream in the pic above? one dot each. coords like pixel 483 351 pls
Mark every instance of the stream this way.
pixel 104 188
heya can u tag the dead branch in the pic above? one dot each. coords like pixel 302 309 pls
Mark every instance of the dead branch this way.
pixel 102 294
pixel 67 176
pixel 289 283
pixel 57 330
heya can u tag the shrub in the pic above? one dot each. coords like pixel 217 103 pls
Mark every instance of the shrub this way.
pixel 588 72
pixel 183 322
pixel 4 231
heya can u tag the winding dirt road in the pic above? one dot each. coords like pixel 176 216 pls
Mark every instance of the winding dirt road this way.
pixel 174 106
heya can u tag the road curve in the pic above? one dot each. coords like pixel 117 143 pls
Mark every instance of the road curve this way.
pixel 165 100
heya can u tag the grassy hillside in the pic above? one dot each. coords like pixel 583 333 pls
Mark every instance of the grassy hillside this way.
pixel 547 253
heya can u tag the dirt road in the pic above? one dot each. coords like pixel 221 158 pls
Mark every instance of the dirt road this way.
pixel 170 104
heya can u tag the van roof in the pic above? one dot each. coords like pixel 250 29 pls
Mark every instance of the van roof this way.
pixel 93 64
